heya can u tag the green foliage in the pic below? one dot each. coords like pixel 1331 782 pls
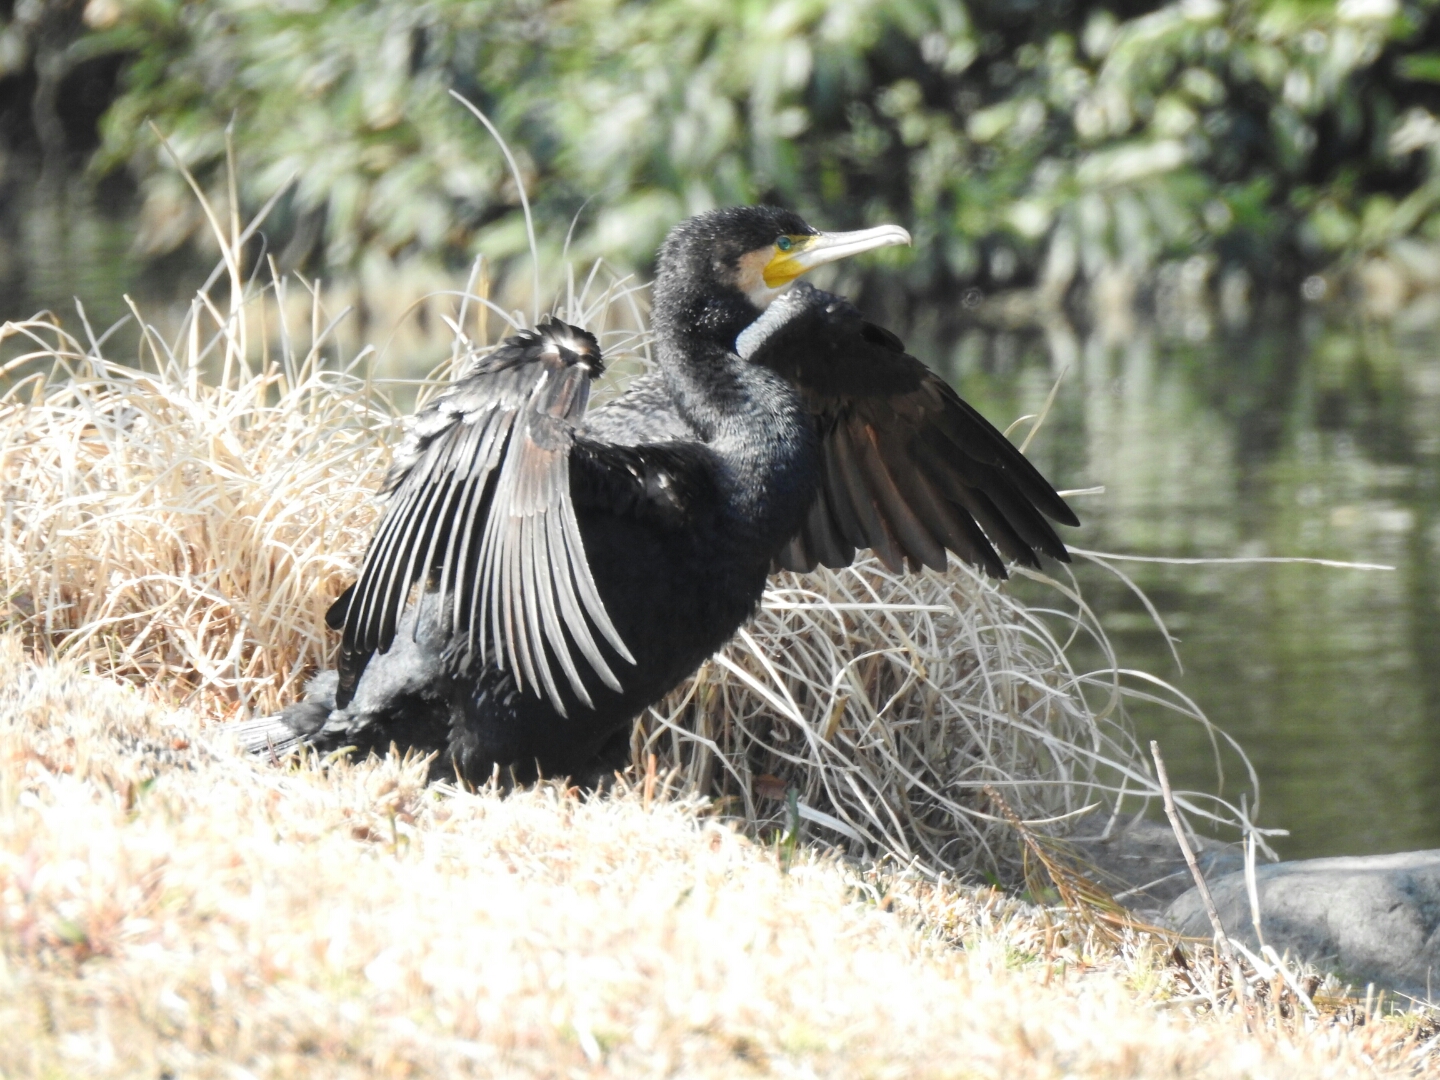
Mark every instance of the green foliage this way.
pixel 1017 140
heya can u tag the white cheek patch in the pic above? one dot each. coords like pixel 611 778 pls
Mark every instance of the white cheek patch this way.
pixel 750 277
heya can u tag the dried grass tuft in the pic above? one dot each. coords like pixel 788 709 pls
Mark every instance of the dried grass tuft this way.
pixel 882 709
pixel 181 532
pixel 187 534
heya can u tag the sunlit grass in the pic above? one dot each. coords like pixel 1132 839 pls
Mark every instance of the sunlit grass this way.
pixel 184 524
pixel 170 906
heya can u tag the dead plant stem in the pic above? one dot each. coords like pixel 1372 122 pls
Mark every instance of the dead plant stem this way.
pixel 1173 814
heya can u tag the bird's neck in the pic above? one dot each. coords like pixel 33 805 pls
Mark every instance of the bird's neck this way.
pixel 685 313
pixel 752 418
pixel 695 345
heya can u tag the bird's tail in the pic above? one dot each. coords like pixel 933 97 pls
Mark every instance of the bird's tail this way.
pixel 295 725
pixel 268 736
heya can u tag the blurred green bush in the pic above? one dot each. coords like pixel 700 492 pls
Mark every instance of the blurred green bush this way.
pixel 1021 141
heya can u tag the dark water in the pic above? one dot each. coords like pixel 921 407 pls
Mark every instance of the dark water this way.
pixel 1306 432
pixel 63 241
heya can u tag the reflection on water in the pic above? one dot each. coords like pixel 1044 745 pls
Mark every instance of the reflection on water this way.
pixel 1305 433
pixel 1308 434
pixel 63 243
pixel 58 243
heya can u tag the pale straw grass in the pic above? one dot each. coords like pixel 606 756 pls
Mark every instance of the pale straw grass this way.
pixel 913 715
pixel 170 907
pixel 179 532
pixel 187 533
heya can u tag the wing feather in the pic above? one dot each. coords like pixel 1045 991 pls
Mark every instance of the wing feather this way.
pixel 976 497
pixel 964 426
pixel 585 583
pixel 453 578
pixel 469 526
pixel 793 556
pixel 421 533
pixel 919 545
pixel 837 490
pixel 952 525
pixel 377 584
pixel 481 510
pixel 909 468
pixel 529 588
pixel 874 533
pixel 822 536
pixel 457 485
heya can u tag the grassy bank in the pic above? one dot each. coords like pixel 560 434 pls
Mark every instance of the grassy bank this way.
pixel 170 908
pixel 184 521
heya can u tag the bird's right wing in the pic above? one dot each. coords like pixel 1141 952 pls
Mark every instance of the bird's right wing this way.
pixel 481 510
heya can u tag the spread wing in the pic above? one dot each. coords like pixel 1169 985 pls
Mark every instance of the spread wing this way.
pixel 909 468
pixel 480 509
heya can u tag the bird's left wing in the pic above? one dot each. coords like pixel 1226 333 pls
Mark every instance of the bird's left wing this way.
pixel 909 468
pixel 480 509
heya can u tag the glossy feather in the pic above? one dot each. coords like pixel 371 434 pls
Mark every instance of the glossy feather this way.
pixel 910 468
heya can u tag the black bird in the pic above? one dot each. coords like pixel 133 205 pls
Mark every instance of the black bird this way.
pixel 542 574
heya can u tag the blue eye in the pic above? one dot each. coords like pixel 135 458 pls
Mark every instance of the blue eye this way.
pixel 784 243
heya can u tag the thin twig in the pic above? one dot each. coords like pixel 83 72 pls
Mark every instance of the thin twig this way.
pixel 1174 815
pixel 1252 888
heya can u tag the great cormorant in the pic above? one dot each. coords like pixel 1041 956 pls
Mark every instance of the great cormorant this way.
pixel 569 568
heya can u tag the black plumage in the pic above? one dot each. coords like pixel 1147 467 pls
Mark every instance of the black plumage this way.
pixel 543 573
pixel 908 468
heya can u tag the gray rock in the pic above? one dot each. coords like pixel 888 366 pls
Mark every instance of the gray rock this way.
pixel 1371 919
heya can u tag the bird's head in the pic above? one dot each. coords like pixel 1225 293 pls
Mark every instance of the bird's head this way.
pixel 752 254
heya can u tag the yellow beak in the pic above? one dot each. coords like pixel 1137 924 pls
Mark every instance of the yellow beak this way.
pixel 812 251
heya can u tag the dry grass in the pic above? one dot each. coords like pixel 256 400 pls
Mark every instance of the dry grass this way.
pixel 886 709
pixel 184 522
pixel 182 534
pixel 168 907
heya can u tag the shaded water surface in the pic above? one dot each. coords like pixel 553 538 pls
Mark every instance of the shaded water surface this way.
pixel 1308 432
pixel 62 241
